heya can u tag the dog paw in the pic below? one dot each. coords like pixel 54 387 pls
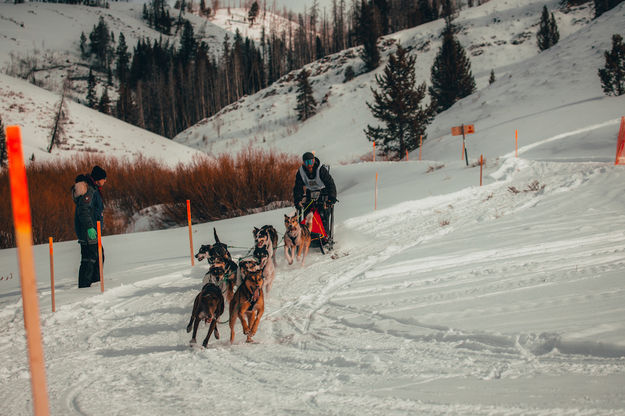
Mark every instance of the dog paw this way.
pixel 193 341
pixel 216 333
pixel 189 328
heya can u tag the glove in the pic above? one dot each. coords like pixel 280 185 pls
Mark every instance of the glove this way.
pixel 299 204
pixel 332 201
pixel 92 234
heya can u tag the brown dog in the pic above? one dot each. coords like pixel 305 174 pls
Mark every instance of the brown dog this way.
pixel 297 237
pixel 208 306
pixel 248 302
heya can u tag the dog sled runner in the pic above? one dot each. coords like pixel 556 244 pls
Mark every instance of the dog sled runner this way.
pixel 322 228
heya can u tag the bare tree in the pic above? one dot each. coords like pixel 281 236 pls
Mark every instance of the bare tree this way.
pixel 58 128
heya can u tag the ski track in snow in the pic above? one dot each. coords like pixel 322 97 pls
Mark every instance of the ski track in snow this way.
pixel 318 370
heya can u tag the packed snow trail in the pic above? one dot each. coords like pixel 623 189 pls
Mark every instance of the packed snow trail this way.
pixel 410 316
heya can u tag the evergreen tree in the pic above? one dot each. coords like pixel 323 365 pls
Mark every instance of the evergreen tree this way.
pixel 613 74
pixel 99 39
pixel 602 6
pixel 253 13
pixel 91 97
pixel 105 102
pixel 451 72
pixel 547 34
pixel 123 59
pixel 305 101
pixel 83 46
pixel 492 77
pixel 367 32
pixel 398 105
pixel 3 147
pixel 188 44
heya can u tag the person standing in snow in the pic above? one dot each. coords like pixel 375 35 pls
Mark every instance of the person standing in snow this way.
pixel 87 196
pixel 313 178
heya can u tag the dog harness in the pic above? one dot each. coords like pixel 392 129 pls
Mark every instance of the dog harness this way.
pixel 314 184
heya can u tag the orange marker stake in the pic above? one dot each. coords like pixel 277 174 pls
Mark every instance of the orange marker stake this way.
pixel 52 274
pixel 100 257
pixel 516 143
pixel 481 164
pixel 375 205
pixel 24 239
pixel 190 230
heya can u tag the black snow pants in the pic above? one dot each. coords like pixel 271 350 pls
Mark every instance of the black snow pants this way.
pixel 89 271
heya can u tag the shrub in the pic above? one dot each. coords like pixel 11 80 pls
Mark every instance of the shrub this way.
pixel 217 188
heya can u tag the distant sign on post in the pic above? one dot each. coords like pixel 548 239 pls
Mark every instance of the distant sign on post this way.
pixel 468 129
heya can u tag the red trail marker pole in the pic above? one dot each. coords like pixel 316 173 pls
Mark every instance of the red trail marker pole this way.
pixel 24 238
pixel 52 274
pixel 100 263
pixel 481 164
pixel 190 230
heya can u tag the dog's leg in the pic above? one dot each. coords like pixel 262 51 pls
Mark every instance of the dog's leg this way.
pixel 306 247
pixel 193 312
pixel 258 313
pixel 195 326
pixel 233 320
pixel 242 315
pixel 210 331
pixel 287 254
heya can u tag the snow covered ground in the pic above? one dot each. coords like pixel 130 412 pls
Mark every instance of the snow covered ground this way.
pixel 448 299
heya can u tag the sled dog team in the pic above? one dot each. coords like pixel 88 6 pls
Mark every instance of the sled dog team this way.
pixel 252 278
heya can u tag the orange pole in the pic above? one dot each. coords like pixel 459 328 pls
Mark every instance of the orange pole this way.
pixel 52 274
pixel 190 230
pixel 375 205
pixel 406 155
pixel 24 239
pixel 481 164
pixel 516 143
pixel 100 257
pixel 462 154
pixel 374 151
pixel 420 145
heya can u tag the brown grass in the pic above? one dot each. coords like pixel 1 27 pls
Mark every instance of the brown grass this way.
pixel 217 188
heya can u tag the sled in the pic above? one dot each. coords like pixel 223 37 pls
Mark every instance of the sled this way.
pixel 322 235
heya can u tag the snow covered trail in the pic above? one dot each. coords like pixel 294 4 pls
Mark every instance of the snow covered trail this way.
pixel 475 302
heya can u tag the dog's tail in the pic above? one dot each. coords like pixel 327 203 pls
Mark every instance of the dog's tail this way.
pixel 216 238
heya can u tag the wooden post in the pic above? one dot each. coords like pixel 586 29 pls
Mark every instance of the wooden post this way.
pixel 516 143
pixel 375 205
pixel 466 156
pixel 420 145
pixel 52 273
pixel 23 235
pixel 100 262
pixel 190 230
pixel 481 164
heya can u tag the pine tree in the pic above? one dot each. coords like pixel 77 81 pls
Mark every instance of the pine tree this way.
pixel 602 6
pixel 253 13
pixel 368 32
pixel 492 77
pixel 398 105
pixel 3 147
pixel 105 101
pixel 613 74
pixel 91 97
pixel 123 59
pixel 451 72
pixel 83 46
pixel 188 44
pixel 305 101
pixel 547 34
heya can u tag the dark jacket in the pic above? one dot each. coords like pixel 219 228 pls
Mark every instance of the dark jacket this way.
pixel 89 207
pixel 299 188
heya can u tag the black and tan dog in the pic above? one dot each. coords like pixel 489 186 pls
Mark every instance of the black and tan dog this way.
pixel 224 274
pixel 248 304
pixel 267 267
pixel 212 251
pixel 267 236
pixel 297 238
pixel 208 306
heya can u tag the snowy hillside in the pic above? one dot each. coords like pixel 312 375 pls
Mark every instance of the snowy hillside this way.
pixel 498 35
pixel 86 131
